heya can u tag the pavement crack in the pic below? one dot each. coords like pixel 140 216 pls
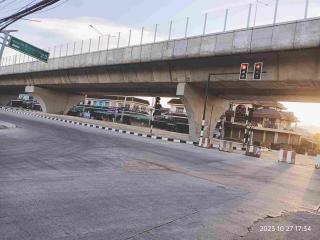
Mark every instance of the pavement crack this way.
pixel 161 225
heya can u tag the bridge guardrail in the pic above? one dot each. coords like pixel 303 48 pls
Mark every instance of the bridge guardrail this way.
pixel 238 16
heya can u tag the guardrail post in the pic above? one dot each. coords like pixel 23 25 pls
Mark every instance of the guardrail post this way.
pixel 89 45
pixel 54 51
pixel 60 50
pixel 99 40
pixel 170 30
pixel 225 20
pixel 141 39
pixel 306 9
pixel 81 47
pixel 74 48
pixel 205 24
pixel 108 41
pixel 186 30
pixel 129 41
pixel 275 12
pixel 155 33
pixel 249 15
pixel 118 43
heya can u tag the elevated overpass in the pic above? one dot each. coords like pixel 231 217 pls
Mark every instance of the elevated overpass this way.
pixel 289 51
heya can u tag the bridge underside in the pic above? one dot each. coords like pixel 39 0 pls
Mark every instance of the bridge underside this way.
pixel 307 91
pixel 287 76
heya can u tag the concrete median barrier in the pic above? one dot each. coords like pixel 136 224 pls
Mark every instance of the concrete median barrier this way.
pixel 254 151
pixel 226 146
pixel 287 156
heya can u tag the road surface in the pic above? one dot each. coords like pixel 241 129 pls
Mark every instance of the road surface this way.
pixel 62 181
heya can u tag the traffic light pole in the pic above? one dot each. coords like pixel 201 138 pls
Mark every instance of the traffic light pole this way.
pixel 3 44
pixel 152 117
pixel 122 112
pixel 204 111
pixel 5 40
pixel 245 139
pixel 248 135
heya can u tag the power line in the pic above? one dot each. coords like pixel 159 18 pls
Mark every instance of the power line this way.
pixel 58 5
pixel 26 3
pixel 25 11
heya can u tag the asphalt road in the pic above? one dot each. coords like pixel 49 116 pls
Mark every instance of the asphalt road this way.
pixel 60 181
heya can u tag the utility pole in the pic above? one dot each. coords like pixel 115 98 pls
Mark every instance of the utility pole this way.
pixel 209 128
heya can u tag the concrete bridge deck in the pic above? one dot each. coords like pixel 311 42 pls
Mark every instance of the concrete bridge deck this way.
pixel 279 37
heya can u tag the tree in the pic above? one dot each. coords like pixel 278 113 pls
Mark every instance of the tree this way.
pixel 317 137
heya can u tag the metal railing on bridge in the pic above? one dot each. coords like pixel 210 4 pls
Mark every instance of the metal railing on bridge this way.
pixel 240 16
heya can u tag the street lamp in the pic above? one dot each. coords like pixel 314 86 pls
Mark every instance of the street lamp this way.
pixel 31 20
pixel 94 28
pixel 255 13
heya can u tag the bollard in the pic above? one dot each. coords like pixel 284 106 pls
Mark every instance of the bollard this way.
pixel 253 151
pixel 206 143
pixel 317 165
pixel 226 146
pixel 287 156
pixel 281 157
pixel 291 157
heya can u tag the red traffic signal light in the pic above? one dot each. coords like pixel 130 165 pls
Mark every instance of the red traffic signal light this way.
pixel 157 104
pixel 244 71
pixel 257 71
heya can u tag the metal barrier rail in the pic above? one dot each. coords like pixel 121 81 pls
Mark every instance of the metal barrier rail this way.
pixel 241 16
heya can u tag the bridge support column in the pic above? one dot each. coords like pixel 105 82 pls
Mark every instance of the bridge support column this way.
pixel 52 101
pixel 5 99
pixel 193 100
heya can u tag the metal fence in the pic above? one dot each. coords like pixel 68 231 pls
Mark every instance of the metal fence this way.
pixel 257 13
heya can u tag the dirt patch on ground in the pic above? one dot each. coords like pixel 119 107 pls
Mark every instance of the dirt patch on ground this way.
pixel 141 165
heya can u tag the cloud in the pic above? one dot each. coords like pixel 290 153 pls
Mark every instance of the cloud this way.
pixel 229 5
pixel 49 32
pixel 76 28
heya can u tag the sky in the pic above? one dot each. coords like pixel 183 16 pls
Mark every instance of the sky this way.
pixel 70 22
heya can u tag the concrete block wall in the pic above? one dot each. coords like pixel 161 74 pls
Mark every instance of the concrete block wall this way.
pixel 285 36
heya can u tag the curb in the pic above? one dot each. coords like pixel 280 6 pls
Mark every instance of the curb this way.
pixel 33 114
pixel 240 148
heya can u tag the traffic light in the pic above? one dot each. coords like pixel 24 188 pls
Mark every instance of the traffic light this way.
pixel 157 106
pixel 250 114
pixel 257 71
pixel 246 137
pixel 244 71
